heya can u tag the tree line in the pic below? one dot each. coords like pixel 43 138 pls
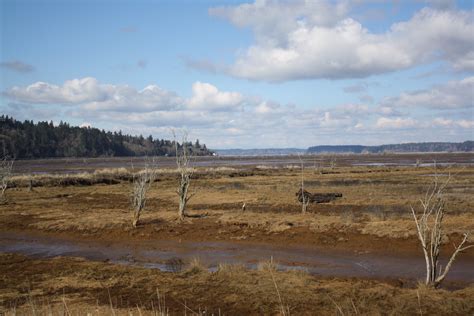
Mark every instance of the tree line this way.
pixel 27 140
pixel 467 146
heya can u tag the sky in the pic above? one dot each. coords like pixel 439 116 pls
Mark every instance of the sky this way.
pixel 244 74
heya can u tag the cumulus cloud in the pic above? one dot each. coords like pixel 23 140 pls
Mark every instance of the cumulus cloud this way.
pixel 452 95
pixel 316 39
pixel 71 92
pixel 91 95
pixel 272 20
pixel 128 99
pixel 449 123
pixel 395 123
pixel 229 118
pixel 17 66
pixel 208 97
pixel 267 107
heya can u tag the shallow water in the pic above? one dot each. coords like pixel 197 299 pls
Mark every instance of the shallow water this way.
pixel 77 165
pixel 159 254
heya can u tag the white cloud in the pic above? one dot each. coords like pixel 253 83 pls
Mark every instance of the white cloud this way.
pixel 85 124
pixel 442 122
pixel 352 109
pixel 94 96
pixel 329 120
pixel 466 123
pixel 452 95
pixel 128 99
pixel 208 97
pixel 316 39
pixel 266 107
pixel 272 20
pixel 448 123
pixel 396 123
pixel 387 111
pixel 231 119
pixel 71 92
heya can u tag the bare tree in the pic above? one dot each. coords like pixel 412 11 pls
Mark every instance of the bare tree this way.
pixel 417 163
pixel 303 198
pixel 185 170
pixel 142 182
pixel 6 166
pixel 332 162
pixel 429 225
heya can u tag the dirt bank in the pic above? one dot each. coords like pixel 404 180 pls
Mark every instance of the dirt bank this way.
pixel 73 285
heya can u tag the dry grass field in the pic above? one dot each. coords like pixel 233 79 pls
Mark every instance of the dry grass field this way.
pixel 373 216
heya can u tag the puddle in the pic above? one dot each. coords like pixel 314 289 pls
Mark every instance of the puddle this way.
pixel 78 165
pixel 160 255
pixel 374 164
pixel 435 175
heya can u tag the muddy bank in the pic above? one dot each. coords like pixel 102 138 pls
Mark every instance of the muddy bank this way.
pixel 172 255
pixel 77 165
pixel 73 286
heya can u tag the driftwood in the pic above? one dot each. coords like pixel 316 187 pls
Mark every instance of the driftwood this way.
pixel 317 197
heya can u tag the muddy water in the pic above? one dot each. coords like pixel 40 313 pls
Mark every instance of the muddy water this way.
pixel 75 165
pixel 161 254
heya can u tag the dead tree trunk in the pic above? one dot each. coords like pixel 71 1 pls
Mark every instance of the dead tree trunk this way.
pixel 6 167
pixel 429 225
pixel 316 197
pixel 183 195
pixel 141 184
pixel 185 170
pixel 304 201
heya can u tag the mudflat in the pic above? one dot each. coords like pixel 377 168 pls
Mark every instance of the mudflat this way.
pixel 69 244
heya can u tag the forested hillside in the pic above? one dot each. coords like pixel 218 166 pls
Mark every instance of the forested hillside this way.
pixel 45 140
pixel 467 146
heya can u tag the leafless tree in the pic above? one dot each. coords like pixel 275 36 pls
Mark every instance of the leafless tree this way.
pixel 6 166
pixel 418 163
pixel 304 200
pixel 332 162
pixel 142 182
pixel 30 184
pixel 429 225
pixel 185 170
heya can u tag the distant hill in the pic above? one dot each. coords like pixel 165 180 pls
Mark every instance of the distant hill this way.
pixel 467 146
pixel 260 152
pixel 45 140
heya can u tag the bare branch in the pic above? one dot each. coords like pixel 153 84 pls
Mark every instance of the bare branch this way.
pixel 304 199
pixel 142 182
pixel 459 249
pixel 185 170
pixel 429 226
pixel 6 166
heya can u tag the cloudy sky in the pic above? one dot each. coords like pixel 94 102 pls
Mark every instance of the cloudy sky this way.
pixel 239 74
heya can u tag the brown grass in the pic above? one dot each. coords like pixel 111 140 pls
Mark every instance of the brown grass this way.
pixel 98 287
pixel 374 210
pixel 375 200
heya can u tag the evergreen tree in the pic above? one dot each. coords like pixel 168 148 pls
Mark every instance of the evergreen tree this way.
pixel 44 140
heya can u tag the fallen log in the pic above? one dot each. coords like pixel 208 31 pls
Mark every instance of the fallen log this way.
pixel 317 197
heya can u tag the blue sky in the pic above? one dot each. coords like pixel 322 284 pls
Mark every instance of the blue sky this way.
pixel 244 74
